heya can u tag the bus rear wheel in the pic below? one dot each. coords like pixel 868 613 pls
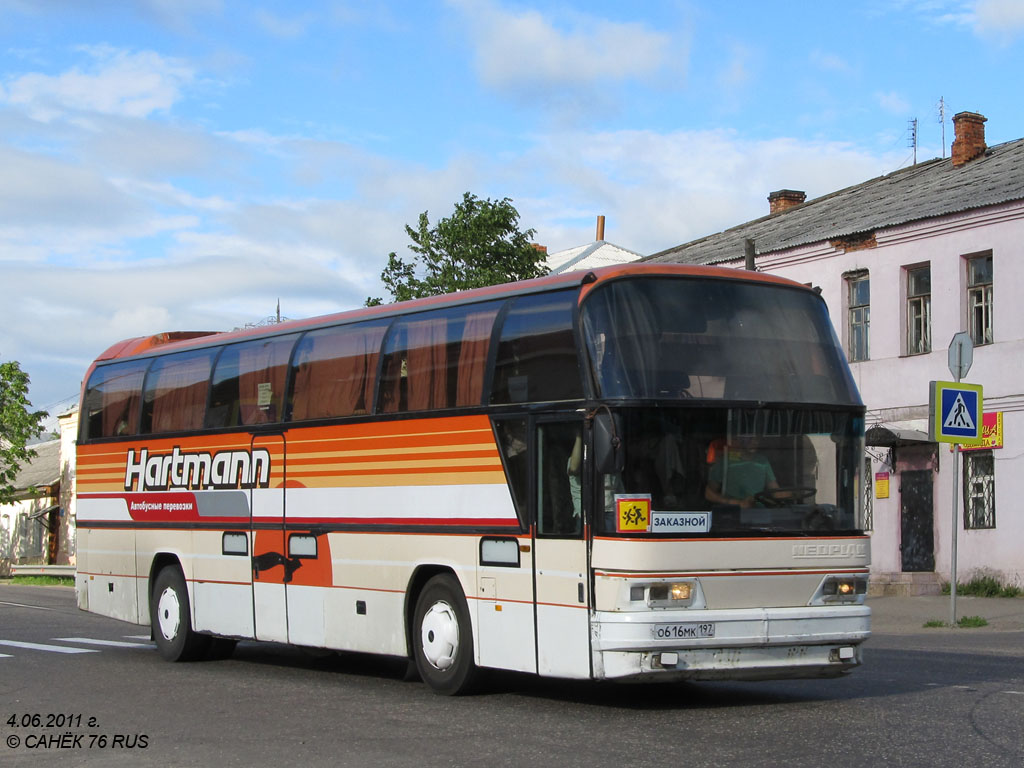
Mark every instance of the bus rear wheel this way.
pixel 172 618
pixel 443 638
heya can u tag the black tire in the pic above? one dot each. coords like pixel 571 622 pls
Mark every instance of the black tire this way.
pixel 442 638
pixel 171 617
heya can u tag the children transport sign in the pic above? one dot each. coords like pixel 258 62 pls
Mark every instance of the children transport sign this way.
pixel 955 413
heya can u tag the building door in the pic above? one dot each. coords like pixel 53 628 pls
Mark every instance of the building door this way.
pixel 917 527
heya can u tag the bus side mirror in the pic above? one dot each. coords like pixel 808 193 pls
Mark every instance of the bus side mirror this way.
pixel 609 451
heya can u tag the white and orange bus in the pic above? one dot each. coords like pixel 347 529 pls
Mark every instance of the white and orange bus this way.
pixel 645 472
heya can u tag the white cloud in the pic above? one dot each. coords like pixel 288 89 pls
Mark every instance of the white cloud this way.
pixel 285 28
pixel 522 50
pixel 892 102
pixel 117 82
pixel 736 73
pixel 659 190
pixel 830 61
pixel 1004 18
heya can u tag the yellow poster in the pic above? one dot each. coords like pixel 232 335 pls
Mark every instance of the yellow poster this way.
pixel 632 512
pixel 881 485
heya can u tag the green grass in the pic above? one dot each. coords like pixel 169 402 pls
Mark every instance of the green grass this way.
pixel 44 581
pixel 984 586
pixel 965 622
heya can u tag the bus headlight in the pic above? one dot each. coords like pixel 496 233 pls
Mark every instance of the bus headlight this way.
pixel 668 595
pixel 841 589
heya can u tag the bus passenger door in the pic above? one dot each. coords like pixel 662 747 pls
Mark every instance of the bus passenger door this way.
pixel 270 566
pixel 561 582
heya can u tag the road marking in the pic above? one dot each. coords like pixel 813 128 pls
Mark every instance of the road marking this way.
pixel 111 643
pixel 23 605
pixel 1015 693
pixel 44 647
pixel 139 637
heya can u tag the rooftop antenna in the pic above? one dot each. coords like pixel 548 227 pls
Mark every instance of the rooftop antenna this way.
pixel 942 121
pixel 912 138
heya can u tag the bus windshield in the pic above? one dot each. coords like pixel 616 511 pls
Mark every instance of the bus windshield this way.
pixel 722 339
pixel 747 471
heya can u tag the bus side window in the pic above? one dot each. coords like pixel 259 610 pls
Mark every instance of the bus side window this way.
pixel 112 399
pixel 248 383
pixel 335 371
pixel 174 397
pixel 537 359
pixel 511 434
pixel 436 360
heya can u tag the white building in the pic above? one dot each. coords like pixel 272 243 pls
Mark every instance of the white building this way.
pixel 904 262
pixel 599 253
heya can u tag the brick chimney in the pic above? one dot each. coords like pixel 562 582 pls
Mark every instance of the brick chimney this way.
pixel 542 248
pixel 969 128
pixel 784 199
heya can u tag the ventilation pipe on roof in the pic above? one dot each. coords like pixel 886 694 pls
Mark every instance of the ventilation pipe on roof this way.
pixel 749 255
pixel 969 129
pixel 783 199
pixel 600 228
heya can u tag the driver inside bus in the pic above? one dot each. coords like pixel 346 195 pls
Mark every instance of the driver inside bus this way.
pixel 739 472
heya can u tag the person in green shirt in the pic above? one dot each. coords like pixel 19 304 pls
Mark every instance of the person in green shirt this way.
pixel 739 472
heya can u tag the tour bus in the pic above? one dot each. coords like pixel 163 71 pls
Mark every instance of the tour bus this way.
pixel 637 473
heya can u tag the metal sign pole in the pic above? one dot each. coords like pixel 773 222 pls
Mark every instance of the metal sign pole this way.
pixel 952 575
pixel 956 482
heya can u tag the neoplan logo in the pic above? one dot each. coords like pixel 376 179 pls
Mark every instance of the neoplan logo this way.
pixel 200 470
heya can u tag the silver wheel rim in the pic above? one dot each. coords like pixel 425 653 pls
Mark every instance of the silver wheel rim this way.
pixel 439 634
pixel 169 613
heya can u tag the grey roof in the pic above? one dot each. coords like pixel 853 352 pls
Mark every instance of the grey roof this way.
pixel 43 470
pixel 924 191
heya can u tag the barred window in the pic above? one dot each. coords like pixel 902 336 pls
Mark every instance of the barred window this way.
pixel 979 490
pixel 979 299
pixel 919 310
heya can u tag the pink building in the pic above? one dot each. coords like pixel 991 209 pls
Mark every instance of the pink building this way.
pixel 905 261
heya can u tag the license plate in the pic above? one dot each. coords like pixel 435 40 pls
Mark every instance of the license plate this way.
pixel 692 631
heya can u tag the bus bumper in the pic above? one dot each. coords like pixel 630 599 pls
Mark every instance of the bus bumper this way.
pixel 743 644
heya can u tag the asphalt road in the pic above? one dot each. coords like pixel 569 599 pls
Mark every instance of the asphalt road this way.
pixel 925 697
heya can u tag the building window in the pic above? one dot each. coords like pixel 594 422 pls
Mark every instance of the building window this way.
pixel 979 298
pixel 979 490
pixel 919 310
pixel 859 317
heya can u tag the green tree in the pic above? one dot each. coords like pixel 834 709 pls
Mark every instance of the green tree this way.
pixel 18 425
pixel 480 244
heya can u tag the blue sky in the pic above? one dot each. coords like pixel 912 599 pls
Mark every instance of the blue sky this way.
pixel 183 164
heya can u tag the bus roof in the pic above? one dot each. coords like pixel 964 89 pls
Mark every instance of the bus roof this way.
pixel 179 340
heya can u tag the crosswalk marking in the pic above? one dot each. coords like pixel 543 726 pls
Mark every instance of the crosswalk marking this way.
pixel 45 647
pixel 111 643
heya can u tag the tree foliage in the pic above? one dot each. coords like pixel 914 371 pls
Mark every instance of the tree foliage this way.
pixel 480 244
pixel 18 425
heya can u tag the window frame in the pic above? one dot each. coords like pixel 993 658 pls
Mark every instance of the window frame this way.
pixel 858 346
pixel 919 311
pixel 979 297
pixel 985 476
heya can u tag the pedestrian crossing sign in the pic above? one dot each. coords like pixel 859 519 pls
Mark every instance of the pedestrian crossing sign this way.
pixel 955 413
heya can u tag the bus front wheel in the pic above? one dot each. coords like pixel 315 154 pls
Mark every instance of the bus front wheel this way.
pixel 443 637
pixel 172 619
